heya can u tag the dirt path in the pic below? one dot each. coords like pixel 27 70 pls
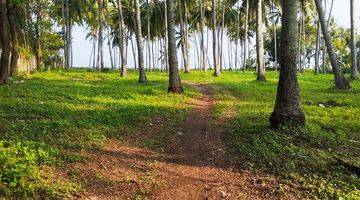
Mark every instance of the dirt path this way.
pixel 197 166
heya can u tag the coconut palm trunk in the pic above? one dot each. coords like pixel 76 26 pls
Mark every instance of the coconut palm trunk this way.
pixel 5 41
pixel 183 32
pixel 202 39
pixel 287 109
pixel 142 72
pixel 186 38
pixel 246 41
pixel 317 50
pixel 354 70
pixel 260 42
pixel 123 68
pixel 14 40
pixel 174 77
pixel 217 71
pixel 340 80
pixel 100 59
pixel 166 47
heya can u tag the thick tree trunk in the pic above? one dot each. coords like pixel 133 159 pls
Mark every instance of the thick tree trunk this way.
pixel 260 42
pixel 123 68
pixel 174 77
pixel 246 41
pixel 14 41
pixel 287 109
pixel 142 72
pixel 340 80
pixel 217 71
pixel 5 54
pixel 354 70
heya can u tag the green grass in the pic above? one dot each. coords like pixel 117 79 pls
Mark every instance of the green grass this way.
pixel 47 117
pixel 304 157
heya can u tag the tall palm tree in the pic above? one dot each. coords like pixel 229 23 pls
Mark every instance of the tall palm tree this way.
pixel 123 68
pixel 217 71
pixel 354 70
pixel 287 108
pixel 5 54
pixel 260 42
pixel 142 72
pixel 174 77
pixel 246 43
pixel 100 60
pixel 340 80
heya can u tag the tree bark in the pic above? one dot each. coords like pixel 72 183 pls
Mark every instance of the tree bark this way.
pixel 123 68
pixel 100 59
pixel 317 50
pixel 246 41
pixel 14 40
pixel 38 50
pixel 287 109
pixel 5 54
pixel 142 72
pixel 174 77
pixel 260 43
pixel 202 39
pixel 217 71
pixel 354 70
pixel 340 80
pixel 166 45
pixel 184 48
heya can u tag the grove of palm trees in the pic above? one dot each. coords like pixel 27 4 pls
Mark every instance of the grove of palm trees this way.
pixel 179 99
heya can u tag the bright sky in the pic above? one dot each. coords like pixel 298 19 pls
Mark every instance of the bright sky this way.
pixel 82 47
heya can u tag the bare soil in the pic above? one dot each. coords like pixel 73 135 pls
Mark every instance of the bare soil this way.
pixel 196 166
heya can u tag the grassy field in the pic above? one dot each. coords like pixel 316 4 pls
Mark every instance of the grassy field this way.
pixel 46 116
pixel 304 157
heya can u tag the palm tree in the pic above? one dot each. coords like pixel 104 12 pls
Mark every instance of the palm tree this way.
pixel 100 59
pixel 260 42
pixel 287 108
pixel 340 80
pixel 246 44
pixel 174 77
pixel 142 73
pixel 217 71
pixel 123 70
pixel 354 70
pixel 5 54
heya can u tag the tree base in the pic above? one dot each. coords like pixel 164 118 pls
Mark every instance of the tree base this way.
pixel 261 78
pixel 342 83
pixel 280 120
pixel 177 90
